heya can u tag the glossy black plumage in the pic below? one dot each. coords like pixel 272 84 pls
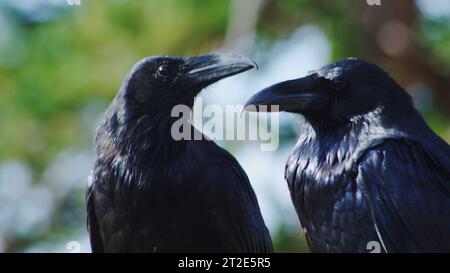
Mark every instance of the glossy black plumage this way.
pixel 151 193
pixel 366 169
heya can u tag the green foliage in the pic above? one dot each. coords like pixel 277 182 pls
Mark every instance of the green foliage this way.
pixel 286 241
pixel 435 36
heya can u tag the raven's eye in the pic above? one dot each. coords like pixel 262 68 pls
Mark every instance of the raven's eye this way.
pixel 338 84
pixel 163 71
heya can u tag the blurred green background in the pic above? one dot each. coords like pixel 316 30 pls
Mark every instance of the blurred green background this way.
pixel 61 65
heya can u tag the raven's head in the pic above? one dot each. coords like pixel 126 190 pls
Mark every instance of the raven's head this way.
pixel 335 93
pixel 156 84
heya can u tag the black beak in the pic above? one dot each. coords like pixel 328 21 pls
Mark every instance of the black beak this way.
pixel 206 69
pixel 290 96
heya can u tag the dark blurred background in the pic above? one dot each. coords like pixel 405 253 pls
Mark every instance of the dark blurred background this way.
pixel 61 65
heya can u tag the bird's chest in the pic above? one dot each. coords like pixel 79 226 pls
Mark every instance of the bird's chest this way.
pixel 317 188
pixel 329 202
pixel 147 206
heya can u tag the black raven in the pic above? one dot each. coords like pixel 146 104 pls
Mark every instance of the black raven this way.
pixel 366 170
pixel 151 193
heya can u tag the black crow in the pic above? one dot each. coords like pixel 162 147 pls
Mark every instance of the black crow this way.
pixel 366 171
pixel 151 193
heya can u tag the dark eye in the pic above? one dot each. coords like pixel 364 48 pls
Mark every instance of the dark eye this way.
pixel 338 84
pixel 163 71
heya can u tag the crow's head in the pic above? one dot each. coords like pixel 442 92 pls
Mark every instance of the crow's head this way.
pixel 156 84
pixel 335 93
pixel 153 87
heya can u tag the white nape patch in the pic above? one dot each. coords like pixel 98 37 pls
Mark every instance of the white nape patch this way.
pixel 330 74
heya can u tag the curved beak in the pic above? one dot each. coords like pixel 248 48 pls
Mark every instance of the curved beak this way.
pixel 206 69
pixel 289 96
